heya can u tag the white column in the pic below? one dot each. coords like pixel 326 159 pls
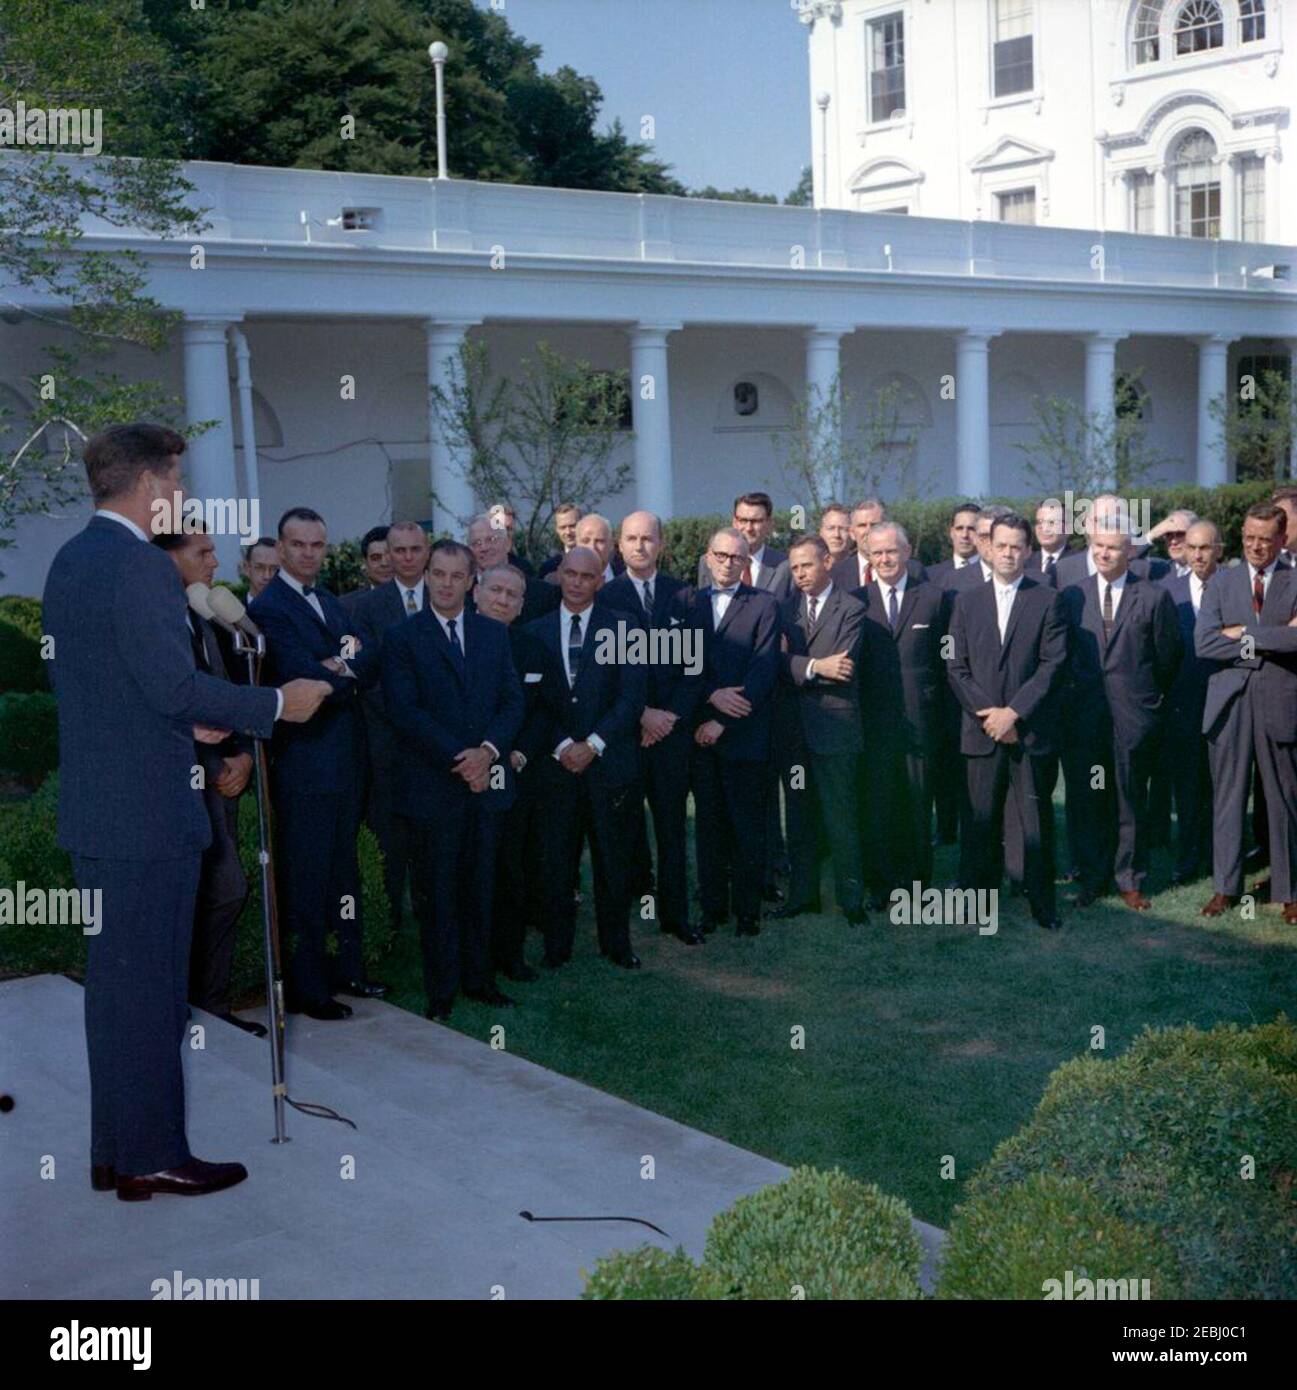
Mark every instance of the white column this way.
pixel 1273 218
pixel 448 460
pixel 650 396
pixel 1162 220
pixel 973 411
pixel 1100 403
pixel 824 394
pixel 1213 359
pixel 209 459
pixel 247 424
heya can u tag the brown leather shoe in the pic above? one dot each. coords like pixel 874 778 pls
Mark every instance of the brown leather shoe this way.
pixel 1290 914
pixel 103 1177
pixel 193 1179
pixel 1219 904
pixel 1135 900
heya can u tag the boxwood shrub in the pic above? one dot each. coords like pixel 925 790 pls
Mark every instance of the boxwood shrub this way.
pixel 647 1272
pixel 21 666
pixel 29 735
pixel 1008 1244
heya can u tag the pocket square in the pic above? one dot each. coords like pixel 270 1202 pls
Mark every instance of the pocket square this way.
pixel 918 627
pixel 532 677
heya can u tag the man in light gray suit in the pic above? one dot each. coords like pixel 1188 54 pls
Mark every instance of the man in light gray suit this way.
pixel 1248 624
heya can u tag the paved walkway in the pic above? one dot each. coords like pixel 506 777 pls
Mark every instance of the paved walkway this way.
pixel 421 1201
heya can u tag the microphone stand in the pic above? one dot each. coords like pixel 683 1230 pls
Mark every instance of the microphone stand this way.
pixel 253 649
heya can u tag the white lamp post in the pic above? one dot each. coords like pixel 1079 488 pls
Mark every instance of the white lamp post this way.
pixel 438 52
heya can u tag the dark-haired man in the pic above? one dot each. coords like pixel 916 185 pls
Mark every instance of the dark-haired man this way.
pixel 131 702
pixel 853 571
pixel 318 780
pixel 566 516
pixel 259 564
pixel 377 562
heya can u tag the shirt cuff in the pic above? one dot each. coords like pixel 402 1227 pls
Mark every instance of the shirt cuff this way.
pixel 279 703
pixel 492 749
pixel 567 743
pixel 810 669
pixel 597 744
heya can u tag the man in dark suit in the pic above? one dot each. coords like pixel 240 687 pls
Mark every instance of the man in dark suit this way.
pixel 1124 655
pixel 376 559
pixel 317 774
pixel 375 612
pixel 131 703
pixel 962 531
pixel 1247 625
pixel 740 626
pixel 595 533
pixel 1009 643
pixel 1051 537
pixel 517 901
pixel 259 564
pixel 488 541
pixel 222 884
pixel 652 600
pixel 902 688
pixel 822 630
pixel 589 778
pixel 1184 750
pixel 451 690
pixel 853 571
pixel 566 516
pixel 1108 513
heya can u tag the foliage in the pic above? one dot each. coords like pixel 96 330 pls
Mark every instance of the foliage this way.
pixel 29 852
pixel 1258 427
pixel 344 568
pixel 1009 1244
pixel 825 1234
pixel 1194 1135
pixel 801 196
pixel 1090 453
pixel 546 438
pixel 21 667
pixel 647 1272
pixel 29 734
pixel 732 195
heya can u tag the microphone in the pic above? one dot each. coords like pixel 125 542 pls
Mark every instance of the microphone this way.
pixel 199 596
pixel 225 605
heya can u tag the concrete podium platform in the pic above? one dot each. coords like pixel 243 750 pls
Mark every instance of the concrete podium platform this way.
pixel 422 1200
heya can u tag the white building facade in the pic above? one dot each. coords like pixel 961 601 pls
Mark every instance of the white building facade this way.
pixel 724 314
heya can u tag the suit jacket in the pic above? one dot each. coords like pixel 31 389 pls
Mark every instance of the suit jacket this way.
pixel 1024 671
pixel 373 613
pixel 129 695
pixel 607 698
pixel 904 674
pixel 1188 694
pixel 324 754
pixel 440 704
pixel 743 651
pixel 773 577
pixel 845 573
pixel 552 562
pixel 1035 561
pixel 1226 601
pixel 1073 570
pixel 212 755
pixel 538 598
pixel 828 711
pixel 952 580
pixel 670 686
pixel 1129 677
pixel 529 664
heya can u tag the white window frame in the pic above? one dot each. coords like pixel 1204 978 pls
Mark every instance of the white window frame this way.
pixel 878 15
pixel 1239 171
pixel 1000 194
pixel 992 23
pixel 1168 61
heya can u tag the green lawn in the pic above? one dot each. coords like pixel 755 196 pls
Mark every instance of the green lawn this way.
pixel 920 1041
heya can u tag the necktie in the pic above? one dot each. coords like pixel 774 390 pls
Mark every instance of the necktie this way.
pixel 412 607
pixel 1258 593
pixel 869 574
pixel 1049 562
pixel 747 572
pixel 456 650
pixel 574 647
pixel 1107 612
pixel 648 598
pixel 812 604
pixel 200 651
pixel 893 610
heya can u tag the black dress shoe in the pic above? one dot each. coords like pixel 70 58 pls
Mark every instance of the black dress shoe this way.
pixel 773 893
pixel 327 1010
pixel 103 1177
pixel 492 996
pixel 793 910
pixel 748 926
pixel 192 1179
pixel 438 1012
pixel 363 989
pixel 628 961
pixel 258 1030
pixel 858 918
pixel 521 973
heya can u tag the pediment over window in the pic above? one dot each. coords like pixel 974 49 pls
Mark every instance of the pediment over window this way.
pixel 1008 152
pixel 887 172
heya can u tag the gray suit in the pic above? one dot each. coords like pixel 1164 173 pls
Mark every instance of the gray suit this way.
pixel 1251 716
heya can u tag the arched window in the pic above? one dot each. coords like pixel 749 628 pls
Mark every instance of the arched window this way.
pixel 1251 20
pixel 1145 46
pixel 1196 180
pixel 1199 25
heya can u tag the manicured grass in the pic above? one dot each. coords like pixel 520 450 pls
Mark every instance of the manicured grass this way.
pixel 920 1041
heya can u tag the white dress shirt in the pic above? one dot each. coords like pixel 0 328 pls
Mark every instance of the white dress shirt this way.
pixel 566 615
pixel 640 585
pixel 820 600
pixel 987 571
pixel 720 602
pixel 756 560
pixel 1267 575
pixel 403 589
pixel 886 591
pixel 1196 586
pixel 962 562
pixel 1005 594
pixel 445 626
pixel 1049 558
pixel 296 585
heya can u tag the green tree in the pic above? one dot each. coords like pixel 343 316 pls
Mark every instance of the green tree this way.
pixel 1258 426
pixel 801 196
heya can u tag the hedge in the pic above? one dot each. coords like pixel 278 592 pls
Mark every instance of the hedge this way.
pixel 29 735
pixel 1192 1134
pixel 1010 1244
pixel 29 851
pixel 21 667
pixel 647 1272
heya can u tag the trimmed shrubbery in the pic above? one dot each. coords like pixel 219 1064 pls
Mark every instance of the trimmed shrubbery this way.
pixel 29 735
pixel 21 667
pixel 647 1272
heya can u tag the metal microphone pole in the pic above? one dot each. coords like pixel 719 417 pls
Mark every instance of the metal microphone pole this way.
pixel 253 649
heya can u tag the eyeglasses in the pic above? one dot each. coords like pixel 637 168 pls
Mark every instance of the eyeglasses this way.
pixel 727 557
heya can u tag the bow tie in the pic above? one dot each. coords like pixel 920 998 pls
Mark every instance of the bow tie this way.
pixel 308 590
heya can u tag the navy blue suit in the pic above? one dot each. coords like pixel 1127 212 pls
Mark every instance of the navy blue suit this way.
pixel 1185 748
pixel 729 782
pixel 128 696
pixel 606 699
pixel 318 777
pixel 441 701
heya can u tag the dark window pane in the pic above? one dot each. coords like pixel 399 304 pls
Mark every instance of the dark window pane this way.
pixel 1013 66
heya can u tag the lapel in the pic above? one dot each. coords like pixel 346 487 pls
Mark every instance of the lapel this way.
pixel 826 608
pixel 1091 617
pixel 908 599
pixel 1130 595
pixel 215 662
pixel 442 643
pixel 301 604
pixel 739 598
pixel 1275 595
pixel 397 608
pixel 1015 613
